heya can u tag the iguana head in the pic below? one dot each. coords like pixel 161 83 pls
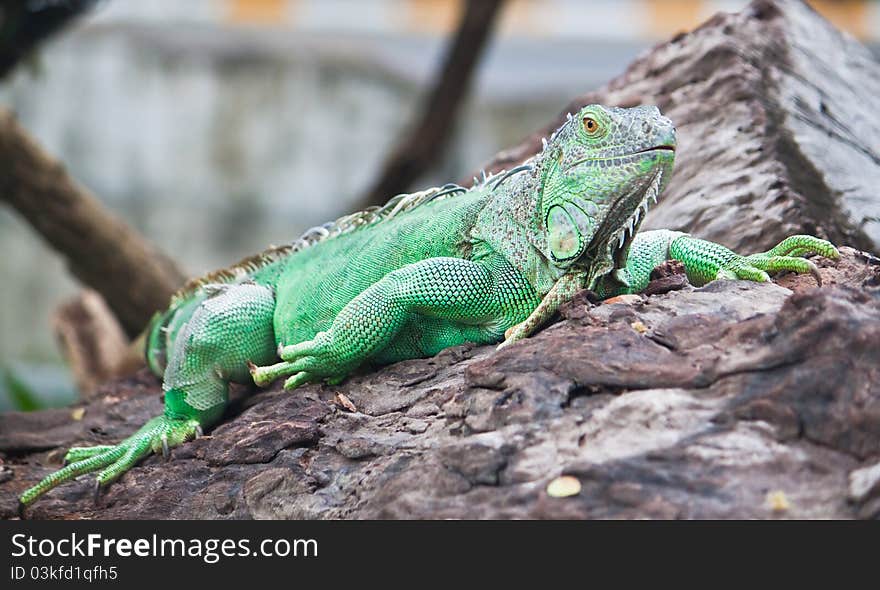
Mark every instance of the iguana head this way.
pixel 598 174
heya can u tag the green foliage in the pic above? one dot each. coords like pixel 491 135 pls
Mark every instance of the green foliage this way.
pixel 22 397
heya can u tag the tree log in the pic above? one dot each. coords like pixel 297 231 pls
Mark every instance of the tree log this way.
pixel 101 250
pixel 776 116
pixel 93 343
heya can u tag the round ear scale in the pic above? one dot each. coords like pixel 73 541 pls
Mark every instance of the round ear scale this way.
pixel 563 236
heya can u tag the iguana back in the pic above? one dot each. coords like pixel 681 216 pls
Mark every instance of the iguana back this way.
pixel 314 284
pixel 317 274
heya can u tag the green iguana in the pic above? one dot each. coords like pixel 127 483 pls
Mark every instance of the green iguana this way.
pixel 426 271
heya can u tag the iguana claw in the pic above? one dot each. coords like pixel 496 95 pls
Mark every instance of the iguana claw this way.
pixel 787 255
pixel 814 270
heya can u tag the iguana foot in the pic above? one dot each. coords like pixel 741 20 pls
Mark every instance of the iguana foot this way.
pixel 302 363
pixel 516 333
pixel 266 375
pixel 707 261
pixel 79 453
pixel 157 435
pixel 561 291
pixel 787 256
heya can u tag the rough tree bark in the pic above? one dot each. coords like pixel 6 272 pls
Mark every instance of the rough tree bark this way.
pixel 425 140
pixel 736 400
pixel 101 250
pixel 778 133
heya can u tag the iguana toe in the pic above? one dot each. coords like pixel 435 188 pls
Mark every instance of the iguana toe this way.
pixel 160 433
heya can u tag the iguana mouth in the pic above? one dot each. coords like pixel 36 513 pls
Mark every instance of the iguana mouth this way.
pixel 613 156
pixel 656 148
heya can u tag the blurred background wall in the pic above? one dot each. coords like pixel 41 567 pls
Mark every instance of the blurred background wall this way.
pixel 217 127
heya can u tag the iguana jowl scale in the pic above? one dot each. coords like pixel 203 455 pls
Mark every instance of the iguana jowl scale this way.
pixel 429 270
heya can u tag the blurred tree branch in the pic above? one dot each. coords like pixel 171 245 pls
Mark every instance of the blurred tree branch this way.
pixel 101 250
pixel 425 140
pixel 134 278
pixel 24 24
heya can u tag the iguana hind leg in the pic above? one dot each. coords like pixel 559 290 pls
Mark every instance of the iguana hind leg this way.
pixel 226 331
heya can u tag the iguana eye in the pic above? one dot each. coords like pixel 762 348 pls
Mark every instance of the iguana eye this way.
pixel 590 125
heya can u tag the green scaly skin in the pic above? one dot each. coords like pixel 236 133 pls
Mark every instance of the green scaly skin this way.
pixel 428 271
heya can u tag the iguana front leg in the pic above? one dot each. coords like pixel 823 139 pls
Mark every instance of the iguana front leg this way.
pixel 561 291
pixel 706 261
pixel 428 305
